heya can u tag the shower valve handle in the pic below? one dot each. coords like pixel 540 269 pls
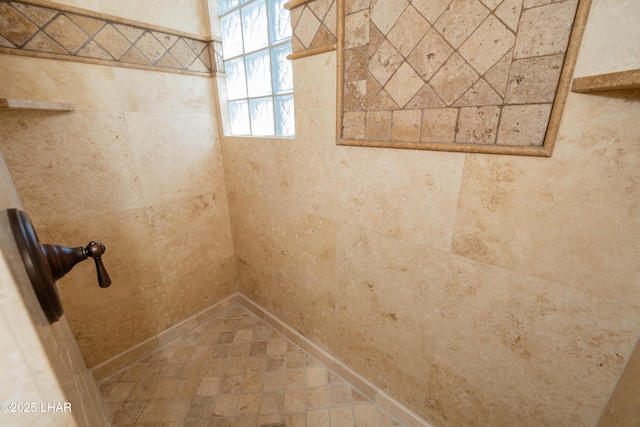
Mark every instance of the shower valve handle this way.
pixel 59 260
pixel 95 250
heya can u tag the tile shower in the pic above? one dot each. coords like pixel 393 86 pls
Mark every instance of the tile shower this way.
pixel 472 289
pixel 237 371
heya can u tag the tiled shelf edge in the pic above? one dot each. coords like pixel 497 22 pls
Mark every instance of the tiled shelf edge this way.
pixel 364 386
pixel 311 52
pixel 29 105
pixel 622 80
pixel 295 3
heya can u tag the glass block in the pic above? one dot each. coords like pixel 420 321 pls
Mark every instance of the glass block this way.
pixel 239 117
pixel 280 21
pixel 285 118
pixel 258 73
pixel 282 69
pixel 236 81
pixel 231 35
pixel 261 116
pixel 224 5
pixel 255 26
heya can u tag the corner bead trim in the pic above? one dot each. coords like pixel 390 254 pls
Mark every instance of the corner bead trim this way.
pixel 47 30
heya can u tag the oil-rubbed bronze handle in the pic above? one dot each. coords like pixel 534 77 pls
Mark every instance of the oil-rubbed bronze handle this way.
pixel 45 264
pixel 95 251
pixel 59 260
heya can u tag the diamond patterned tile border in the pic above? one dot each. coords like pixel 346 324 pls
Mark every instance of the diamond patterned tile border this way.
pixel 30 29
pixel 314 26
pixel 495 73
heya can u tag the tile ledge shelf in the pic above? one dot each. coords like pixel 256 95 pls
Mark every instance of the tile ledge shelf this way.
pixel 7 104
pixel 623 80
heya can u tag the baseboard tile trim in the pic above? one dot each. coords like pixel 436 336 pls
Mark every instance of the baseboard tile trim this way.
pixel 360 383
pixel 121 360
pixel 364 386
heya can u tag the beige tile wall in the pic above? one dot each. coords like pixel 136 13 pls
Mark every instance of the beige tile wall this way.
pixel 623 408
pixel 137 166
pixel 475 289
pixel 41 362
pixel 457 284
pixel 191 16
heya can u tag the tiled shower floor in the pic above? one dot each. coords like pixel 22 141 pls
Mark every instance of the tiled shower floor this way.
pixel 235 371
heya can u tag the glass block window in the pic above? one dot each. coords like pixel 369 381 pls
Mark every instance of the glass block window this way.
pixel 256 39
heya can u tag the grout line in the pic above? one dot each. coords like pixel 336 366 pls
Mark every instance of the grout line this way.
pixel 332 364
pixel 355 380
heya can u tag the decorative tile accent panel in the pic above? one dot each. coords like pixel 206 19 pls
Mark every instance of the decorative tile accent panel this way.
pixel 314 26
pixel 456 75
pixel 36 30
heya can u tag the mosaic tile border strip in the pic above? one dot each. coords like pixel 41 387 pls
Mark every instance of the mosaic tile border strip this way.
pixel 54 31
pixel 374 118
pixel 314 25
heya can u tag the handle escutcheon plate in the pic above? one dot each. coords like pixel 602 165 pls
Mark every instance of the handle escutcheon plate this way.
pixel 47 263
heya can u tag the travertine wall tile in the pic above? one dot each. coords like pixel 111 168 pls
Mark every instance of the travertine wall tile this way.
pixel 534 274
pixel 512 321
pixel 130 259
pixel 189 17
pixel 439 125
pixel 358 29
pixel 478 125
pixel 509 12
pixel 429 54
pixel 523 124
pixel 61 81
pixel 455 53
pixel 127 125
pixel 354 125
pixel 385 13
pixel 378 125
pixel 493 33
pixel 189 139
pixel 405 40
pixel 597 54
pixel 507 216
pixel 460 19
pixel 40 361
pixel 533 80
pixel 149 312
pixel 453 79
pixel 545 30
pixel 200 242
pixel 307 27
pixel 622 409
pixel 149 91
pixel 367 294
pixel 64 168
pixel 406 125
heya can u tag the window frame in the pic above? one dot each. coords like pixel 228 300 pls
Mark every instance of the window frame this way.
pixel 275 96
